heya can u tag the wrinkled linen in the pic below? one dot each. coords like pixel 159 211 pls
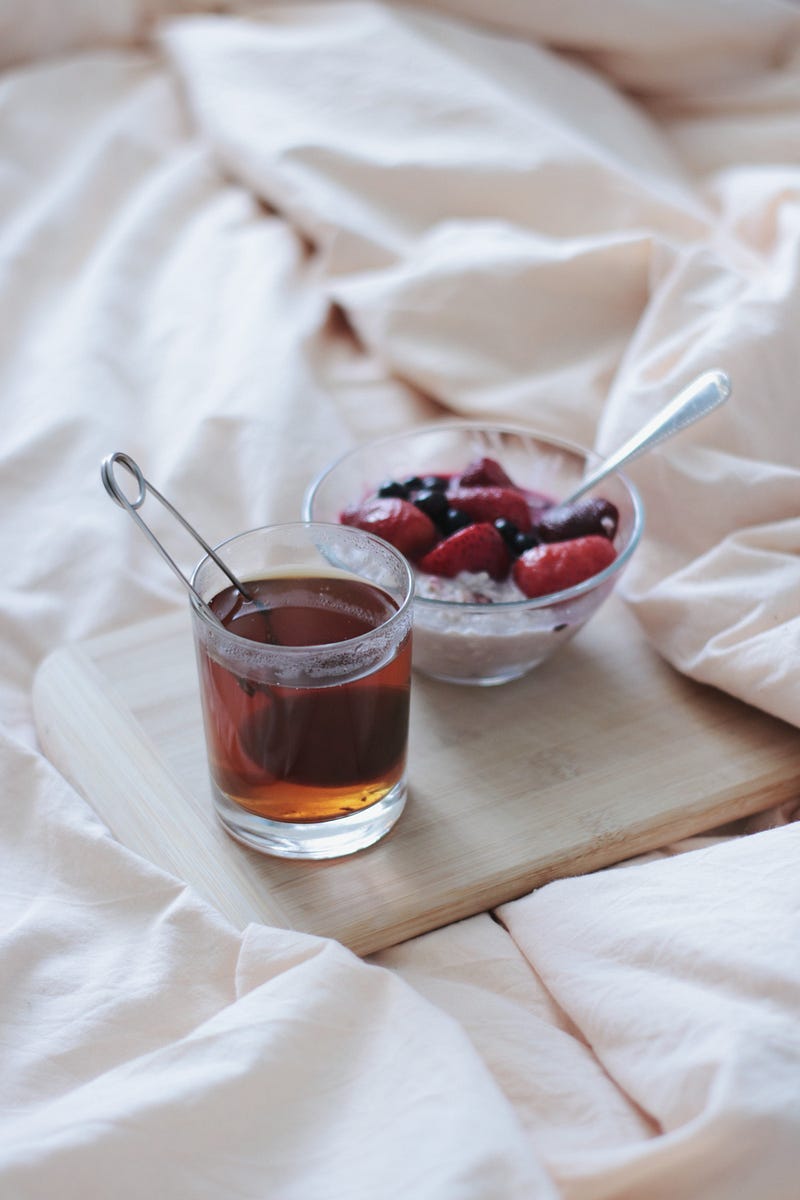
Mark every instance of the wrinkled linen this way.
pixel 235 244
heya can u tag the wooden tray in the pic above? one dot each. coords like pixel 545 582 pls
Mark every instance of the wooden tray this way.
pixel 600 754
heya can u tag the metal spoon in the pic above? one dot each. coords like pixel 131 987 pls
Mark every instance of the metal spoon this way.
pixel 699 398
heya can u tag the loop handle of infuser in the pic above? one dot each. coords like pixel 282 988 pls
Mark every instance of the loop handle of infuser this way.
pixel 132 506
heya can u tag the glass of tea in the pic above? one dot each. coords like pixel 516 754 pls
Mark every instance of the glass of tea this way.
pixel 304 682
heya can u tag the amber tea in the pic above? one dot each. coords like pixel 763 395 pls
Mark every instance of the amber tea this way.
pixel 306 753
pixel 303 640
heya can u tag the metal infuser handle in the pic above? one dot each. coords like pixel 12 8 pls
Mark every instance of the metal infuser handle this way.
pixel 132 506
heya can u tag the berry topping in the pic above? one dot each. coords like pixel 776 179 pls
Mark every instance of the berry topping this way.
pixel 475 548
pixel 507 530
pixel 435 483
pixel 393 487
pixel 517 541
pixel 523 542
pixel 479 522
pixel 484 472
pixel 453 520
pixel 581 519
pixel 490 503
pixel 398 521
pixel 558 565
pixel 432 502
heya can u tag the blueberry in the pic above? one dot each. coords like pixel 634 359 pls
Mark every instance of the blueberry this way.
pixel 517 541
pixel 434 504
pixel 412 483
pixel 523 542
pixel 453 520
pixel 392 487
pixel 507 530
pixel 435 483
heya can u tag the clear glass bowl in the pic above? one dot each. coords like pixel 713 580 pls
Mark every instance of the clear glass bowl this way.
pixel 485 644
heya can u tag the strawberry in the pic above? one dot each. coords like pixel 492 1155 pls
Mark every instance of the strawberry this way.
pixel 563 522
pixel 484 472
pixel 397 521
pixel 554 566
pixel 474 548
pixel 491 503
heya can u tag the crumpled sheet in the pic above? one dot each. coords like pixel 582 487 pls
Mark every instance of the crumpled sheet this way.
pixel 233 244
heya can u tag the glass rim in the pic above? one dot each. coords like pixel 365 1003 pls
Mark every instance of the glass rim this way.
pixel 198 608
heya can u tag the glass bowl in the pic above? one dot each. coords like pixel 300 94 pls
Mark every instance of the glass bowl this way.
pixel 486 643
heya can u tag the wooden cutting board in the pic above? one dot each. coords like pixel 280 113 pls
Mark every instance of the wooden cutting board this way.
pixel 600 754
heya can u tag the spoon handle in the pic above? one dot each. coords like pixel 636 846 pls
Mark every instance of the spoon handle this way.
pixel 696 400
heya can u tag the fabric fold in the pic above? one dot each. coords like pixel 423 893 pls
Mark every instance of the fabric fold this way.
pixel 233 246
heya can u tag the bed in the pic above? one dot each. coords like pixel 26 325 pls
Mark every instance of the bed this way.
pixel 236 240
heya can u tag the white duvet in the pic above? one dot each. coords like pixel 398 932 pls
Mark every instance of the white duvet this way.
pixel 234 244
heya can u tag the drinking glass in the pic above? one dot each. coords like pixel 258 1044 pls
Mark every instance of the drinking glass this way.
pixel 304 683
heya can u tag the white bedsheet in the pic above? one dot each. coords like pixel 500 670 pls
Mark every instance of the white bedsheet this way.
pixel 233 244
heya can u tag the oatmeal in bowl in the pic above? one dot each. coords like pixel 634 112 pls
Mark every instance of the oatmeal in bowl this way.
pixel 504 573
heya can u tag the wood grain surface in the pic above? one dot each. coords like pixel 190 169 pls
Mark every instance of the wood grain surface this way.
pixel 600 754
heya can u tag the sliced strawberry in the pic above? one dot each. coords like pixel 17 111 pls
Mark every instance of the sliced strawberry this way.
pixel 475 548
pixel 485 472
pixel 397 521
pixel 491 503
pixel 558 565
